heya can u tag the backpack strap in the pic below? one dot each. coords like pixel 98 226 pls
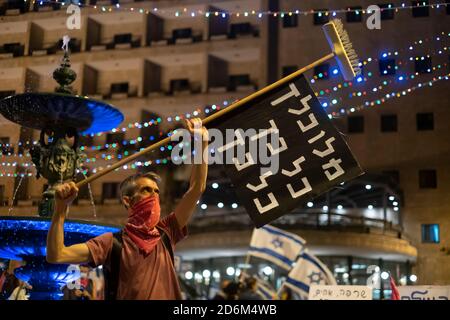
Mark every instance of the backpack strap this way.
pixel 112 273
pixel 166 241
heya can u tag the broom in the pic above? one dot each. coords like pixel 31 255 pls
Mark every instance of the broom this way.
pixel 342 50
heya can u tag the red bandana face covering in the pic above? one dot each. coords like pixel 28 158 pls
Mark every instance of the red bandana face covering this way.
pixel 142 220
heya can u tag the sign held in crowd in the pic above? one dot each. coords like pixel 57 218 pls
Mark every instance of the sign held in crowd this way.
pixel 322 292
pixel 312 155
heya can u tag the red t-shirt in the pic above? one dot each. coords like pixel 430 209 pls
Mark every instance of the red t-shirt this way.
pixel 142 277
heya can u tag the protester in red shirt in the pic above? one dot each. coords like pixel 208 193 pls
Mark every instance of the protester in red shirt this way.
pixel 146 269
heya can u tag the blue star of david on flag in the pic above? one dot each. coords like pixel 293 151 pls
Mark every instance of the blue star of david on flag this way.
pixel 276 245
pixel 315 277
pixel 277 242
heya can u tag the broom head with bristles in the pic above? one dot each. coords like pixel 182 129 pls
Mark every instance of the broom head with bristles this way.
pixel 342 48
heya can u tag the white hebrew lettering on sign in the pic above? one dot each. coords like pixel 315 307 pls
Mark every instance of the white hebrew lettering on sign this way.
pixel 333 163
pixel 273 203
pixel 314 139
pixel 305 108
pixel 293 93
pixel 295 194
pixel 311 125
pixel 297 167
pixel 329 150
pixel 239 141
pixel 263 183
pixel 283 147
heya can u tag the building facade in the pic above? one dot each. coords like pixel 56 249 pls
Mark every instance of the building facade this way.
pixel 160 62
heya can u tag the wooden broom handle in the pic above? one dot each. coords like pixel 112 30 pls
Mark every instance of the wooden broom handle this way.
pixel 207 119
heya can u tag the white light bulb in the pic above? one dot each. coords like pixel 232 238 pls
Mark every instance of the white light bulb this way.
pixel 267 271
pixel 189 275
pixel 230 271
pixel 310 204
pixel 206 273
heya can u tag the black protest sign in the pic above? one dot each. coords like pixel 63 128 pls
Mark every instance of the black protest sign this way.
pixel 312 155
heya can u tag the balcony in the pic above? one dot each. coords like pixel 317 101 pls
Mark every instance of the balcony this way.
pixel 122 30
pixel 11 81
pixel 233 70
pixel 174 74
pixel 13 39
pixel 118 79
pixel 176 25
pixel 232 27
pixel 39 78
pixel 46 36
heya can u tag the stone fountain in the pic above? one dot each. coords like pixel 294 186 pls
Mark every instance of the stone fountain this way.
pixel 61 117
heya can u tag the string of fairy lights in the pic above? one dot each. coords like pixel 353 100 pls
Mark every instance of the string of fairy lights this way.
pixel 215 107
pixel 212 108
pixel 185 12
pixel 166 160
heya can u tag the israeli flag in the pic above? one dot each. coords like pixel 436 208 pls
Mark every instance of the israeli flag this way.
pixel 308 270
pixel 265 291
pixel 276 245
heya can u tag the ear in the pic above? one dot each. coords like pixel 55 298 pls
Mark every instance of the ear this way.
pixel 126 201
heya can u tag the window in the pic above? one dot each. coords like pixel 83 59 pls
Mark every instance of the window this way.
pixel 322 71
pixel 425 121
pixel 320 17
pixel 110 190
pixel 354 14
pixel 182 33
pixel 430 233
pixel 287 70
pixel 237 80
pixel 389 123
pixel 423 64
pixel 123 38
pixel 387 66
pixel 420 8
pixel 427 179
pixel 119 87
pixel 290 21
pixel 177 85
pixel 386 12
pixel 355 124
pixel 244 28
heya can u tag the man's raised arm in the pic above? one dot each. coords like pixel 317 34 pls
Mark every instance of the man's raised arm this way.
pixel 187 204
pixel 57 252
